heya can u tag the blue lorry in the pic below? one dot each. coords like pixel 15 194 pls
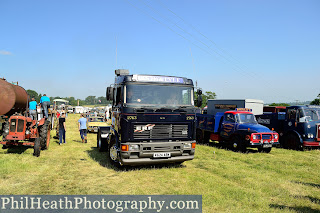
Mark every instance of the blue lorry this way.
pixel 298 126
pixel 236 128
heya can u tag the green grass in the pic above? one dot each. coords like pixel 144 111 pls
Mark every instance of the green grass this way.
pixel 281 181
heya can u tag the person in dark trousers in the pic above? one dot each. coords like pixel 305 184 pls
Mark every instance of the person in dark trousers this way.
pixel 82 123
pixel 45 102
pixel 62 128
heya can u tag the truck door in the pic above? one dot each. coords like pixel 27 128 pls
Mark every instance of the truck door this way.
pixel 291 119
pixel 228 125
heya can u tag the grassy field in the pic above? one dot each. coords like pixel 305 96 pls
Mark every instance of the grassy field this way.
pixel 281 181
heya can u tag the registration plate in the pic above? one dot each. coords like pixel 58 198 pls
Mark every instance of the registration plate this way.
pixel 162 155
pixel 267 145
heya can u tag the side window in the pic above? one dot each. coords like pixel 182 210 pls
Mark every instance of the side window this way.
pixel 292 113
pixel 229 117
pixel 118 96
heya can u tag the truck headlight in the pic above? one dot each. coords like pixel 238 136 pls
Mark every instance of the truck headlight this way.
pixel 276 136
pixel 187 146
pixel 254 137
pixel 133 147
pixel 6 131
pixel 310 135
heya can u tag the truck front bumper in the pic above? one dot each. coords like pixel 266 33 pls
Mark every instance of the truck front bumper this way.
pixel 311 143
pixel 264 145
pixel 178 151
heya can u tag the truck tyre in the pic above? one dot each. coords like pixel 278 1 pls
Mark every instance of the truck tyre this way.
pixel 238 144
pixel 5 130
pixel 37 147
pixel 199 136
pixel 113 153
pixel 206 137
pixel 265 150
pixel 101 143
pixel 292 142
pixel 45 135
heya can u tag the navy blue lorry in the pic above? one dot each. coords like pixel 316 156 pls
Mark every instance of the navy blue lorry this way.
pixel 237 128
pixel 298 126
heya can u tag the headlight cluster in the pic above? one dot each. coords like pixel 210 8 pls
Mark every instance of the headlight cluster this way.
pixel 275 136
pixel 254 137
pixel 134 147
pixel 187 146
pixel 310 135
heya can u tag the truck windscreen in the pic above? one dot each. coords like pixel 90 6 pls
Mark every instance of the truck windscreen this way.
pixel 311 114
pixel 167 95
pixel 246 118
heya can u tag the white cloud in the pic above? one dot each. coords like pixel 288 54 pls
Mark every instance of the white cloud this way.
pixel 4 52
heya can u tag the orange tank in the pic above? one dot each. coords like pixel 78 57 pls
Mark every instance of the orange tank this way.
pixel 13 98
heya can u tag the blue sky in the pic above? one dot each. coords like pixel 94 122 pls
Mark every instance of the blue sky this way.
pixel 268 50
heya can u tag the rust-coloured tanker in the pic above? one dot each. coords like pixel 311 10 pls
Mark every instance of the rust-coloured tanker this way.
pixel 13 98
pixel 17 128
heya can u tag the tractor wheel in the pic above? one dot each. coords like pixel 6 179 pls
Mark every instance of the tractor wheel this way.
pixel 199 136
pixel 5 130
pixel 37 147
pixel 45 135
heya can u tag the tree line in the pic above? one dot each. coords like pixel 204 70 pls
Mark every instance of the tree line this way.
pixel 90 100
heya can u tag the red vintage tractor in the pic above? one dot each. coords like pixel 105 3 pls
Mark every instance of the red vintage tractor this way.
pixel 17 128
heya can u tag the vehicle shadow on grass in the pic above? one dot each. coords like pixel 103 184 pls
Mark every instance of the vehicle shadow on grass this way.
pixel 102 159
pixel 229 148
pixel 296 208
pixel 308 184
pixel 311 199
pixel 17 149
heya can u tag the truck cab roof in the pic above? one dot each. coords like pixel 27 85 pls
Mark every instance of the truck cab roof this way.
pixel 238 112
pixel 157 79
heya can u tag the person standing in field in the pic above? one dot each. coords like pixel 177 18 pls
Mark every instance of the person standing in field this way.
pixel 62 128
pixel 45 102
pixel 33 109
pixel 82 123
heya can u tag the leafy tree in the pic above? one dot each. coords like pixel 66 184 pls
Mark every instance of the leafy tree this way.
pixel 33 94
pixel 315 101
pixel 90 100
pixel 102 100
pixel 279 104
pixel 207 95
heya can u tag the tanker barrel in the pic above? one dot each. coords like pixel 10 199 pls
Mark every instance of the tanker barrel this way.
pixel 13 98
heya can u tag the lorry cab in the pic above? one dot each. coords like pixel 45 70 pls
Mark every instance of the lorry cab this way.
pixel 303 123
pixel 298 126
pixel 237 128
pixel 153 120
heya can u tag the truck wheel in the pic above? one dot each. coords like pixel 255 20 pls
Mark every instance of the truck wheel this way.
pixel 292 142
pixel 37 147
pixel 45 135
pixel 206 137
pixel 113 153
pixel 265 150
pixel 199 136
pixel 238 144
pixel 101 143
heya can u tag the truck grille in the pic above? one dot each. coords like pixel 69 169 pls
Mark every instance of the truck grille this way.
pixel 160 131
pixel 266 136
